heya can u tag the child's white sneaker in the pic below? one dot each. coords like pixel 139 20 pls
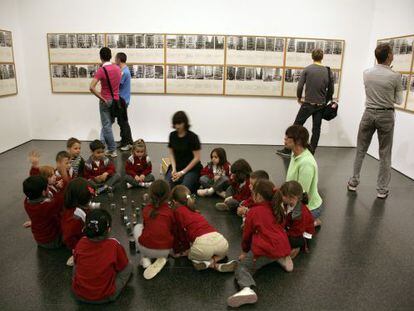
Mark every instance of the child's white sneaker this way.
pixel 222 207
pixel 155 268
pixel 111 154
pixel 129 186
pixel 245 296
pixel 230 266
pixel 145 184
pixel 70 262
pixel 201 265
pixel 145 262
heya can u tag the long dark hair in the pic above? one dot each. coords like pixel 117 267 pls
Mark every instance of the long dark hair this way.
pixel 299 134
pixel 267 190
pixel 290 189
pixel 97 223
pixel 182 195
pixel 241 169
pixel 221 154
pixel 159 192
pixel 78 193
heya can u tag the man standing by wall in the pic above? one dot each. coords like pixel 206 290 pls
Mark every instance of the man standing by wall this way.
pixel 319 90
pixel 125 96
pixel 383 89
pixel 109 75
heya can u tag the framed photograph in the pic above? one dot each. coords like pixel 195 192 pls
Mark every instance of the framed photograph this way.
pixel 75 47
pixel 291 80
pixel 147 79
pixel 6 47
pixel 195 79
pixel 195 49
pixel 255 51
pixel 402 48
pixel 410 94
pixel 72 78
pixel 8 82
pixel 139 47
pixel 254 81
pixel 299 50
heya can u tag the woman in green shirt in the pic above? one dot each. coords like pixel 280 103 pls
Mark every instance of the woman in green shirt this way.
pixel 303 167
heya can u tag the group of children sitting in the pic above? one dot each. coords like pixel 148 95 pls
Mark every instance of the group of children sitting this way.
pixel 276 221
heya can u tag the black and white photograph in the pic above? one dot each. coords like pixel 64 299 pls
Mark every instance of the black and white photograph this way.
pixel 279 45
pixel 7 71
pixel 191 72
pixel 200 42
pixel 328 48
pixel 72 78
pixel 402 48
pixel 149 71
pixel 300 46
pixel 231 73
pixel 291 79
pixel 6 47
pixel 291 45
pixel 147 79
pixel 240 73
pixel 251 43
pixel 270 44
pixel 260 43
pixel 172 72
pixel 181 72
pixel 219 42
pixel 76 41
pixel 190 42
pixel 410 96
pixel 8 82
pixel 5 39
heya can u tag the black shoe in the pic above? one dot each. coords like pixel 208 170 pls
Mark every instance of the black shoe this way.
pixel 286 153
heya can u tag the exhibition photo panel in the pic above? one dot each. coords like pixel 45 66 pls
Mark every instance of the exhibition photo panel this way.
pixel 402 48
pixel 147 79
pixel 410 94
pixel 72 78
pixel 139 47
pixel 8 84
pixel 6 47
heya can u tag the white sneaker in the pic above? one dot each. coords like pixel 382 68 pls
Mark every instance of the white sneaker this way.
pixel 382 195
pixel 230 266
pixel 111 154
pixel 201 265
pixel 126 148
pixel 145 262
pixel 70 261
pixel 351 188
pixel 129 186
pixel 245 296
pixel 202 192
pixel 155 268
pixel 145 184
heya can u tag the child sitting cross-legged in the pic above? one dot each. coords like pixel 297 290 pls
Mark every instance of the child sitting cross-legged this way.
pixel 76 161
pixel 99 169
pixel 138 167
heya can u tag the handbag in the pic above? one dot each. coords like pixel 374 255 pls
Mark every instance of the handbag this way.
pixel 116 105
pixel 330 110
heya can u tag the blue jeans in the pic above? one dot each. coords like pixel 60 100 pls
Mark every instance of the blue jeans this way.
pixel 107 136
pixel 190 180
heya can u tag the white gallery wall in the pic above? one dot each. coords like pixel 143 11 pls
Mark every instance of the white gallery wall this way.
pixel 395 19
pixel 218 119
pixel 14 110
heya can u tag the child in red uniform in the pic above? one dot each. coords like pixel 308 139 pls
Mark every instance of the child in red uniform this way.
pixel 44 212
pixel 99 170
pixel 156 235
pixel 299 220
pixel 77 163
pixel 239 189
pixel 63 160
pixel 264 241
pixel 101 267
pixel 215 175
pixel 78 195
pixel 138 167
pixel 195 237
pixel 246 204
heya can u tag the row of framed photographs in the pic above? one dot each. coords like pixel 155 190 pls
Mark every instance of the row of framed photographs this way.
pixel 8 81
pixel 190 79
pixel 194 49
pixel 403 63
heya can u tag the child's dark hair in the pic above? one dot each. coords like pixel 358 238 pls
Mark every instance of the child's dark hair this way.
pixel 259 174
pixel 181 117
pixel 241 169
pixel 221 154
pixel 71 141
pixel 62 155
pixel 299 134
pixel 78 193
pixel 96 144
pixel 267 190
pixel 294 189
pixel 97 223
pixel 182 195
pixel 34 186
pixel 158 192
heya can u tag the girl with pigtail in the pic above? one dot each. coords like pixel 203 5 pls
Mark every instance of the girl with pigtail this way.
pixel 195 237
pixel 155 236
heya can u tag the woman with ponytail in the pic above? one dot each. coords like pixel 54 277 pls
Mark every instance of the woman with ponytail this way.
pixel 303 168
pixel 155 236
pixel 101 267
pixel 195 237
pixel 264 241
pixel 298 219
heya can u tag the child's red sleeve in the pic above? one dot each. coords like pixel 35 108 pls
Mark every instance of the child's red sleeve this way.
pixel 34 171
pixel 247 233
pixel 148 169
pixel 130 169
pixel 206 171
pixel 110 168
pixel 87 173
pixel 75 235
pixel 121 258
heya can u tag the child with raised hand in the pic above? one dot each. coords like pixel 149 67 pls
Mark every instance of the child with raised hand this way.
pixel 138 167
pixel 196 237
pixel 264 241
pixel 44 212
pixel 76 161
pixel 299 220
pixel 54 177
pixel 239 189
pixel 63 162
pixel 101 266
pixel 215 175
pixel 155 235
pixel 100 170
pixel 78 196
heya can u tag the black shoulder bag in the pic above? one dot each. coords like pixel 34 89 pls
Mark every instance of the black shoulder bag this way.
pixel 331 108
pixel 115 107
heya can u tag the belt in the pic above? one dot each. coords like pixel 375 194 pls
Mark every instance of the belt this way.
pixel 381 109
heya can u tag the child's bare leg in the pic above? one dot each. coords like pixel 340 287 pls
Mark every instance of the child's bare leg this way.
pixel 294 252
pixel 27 224
pixel 286 263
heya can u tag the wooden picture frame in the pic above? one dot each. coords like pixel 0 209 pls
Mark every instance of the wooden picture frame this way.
pixel 8 79
pixel 403 49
